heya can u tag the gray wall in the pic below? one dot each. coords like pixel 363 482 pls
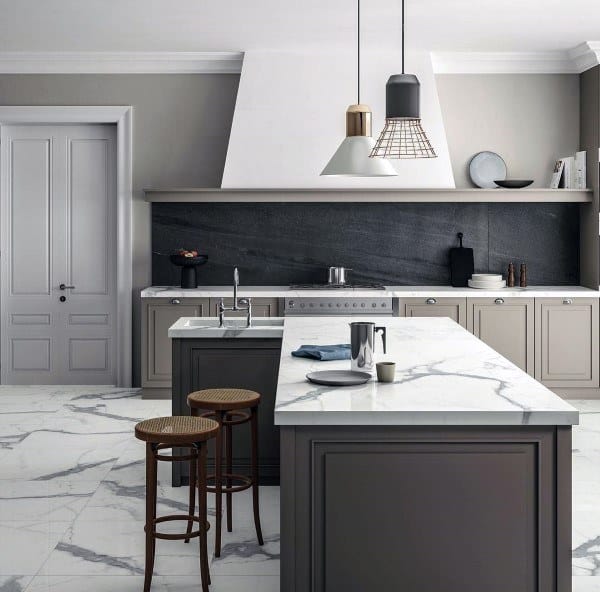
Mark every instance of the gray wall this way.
pixel 529 119
pixel 181 129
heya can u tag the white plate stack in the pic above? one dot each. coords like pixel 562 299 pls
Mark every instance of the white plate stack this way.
pixel 487 281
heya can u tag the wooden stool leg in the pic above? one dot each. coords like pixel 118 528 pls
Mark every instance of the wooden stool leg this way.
pixel 204 569
pixel 229 457
pixel 218 482
pixel 192 503
pixel 254 437
pixel 150 514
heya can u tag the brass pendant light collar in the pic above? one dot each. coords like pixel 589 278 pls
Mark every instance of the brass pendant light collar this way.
pixel 358 120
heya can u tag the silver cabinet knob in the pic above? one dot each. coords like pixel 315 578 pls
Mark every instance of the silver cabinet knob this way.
pixel 175 301
pixel 499 301
pixel 431 301
pixel 568 301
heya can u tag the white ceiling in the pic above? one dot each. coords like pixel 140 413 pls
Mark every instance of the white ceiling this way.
pixel 238 25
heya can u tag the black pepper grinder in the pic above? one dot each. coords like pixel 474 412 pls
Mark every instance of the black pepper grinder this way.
pixel 523 276
pixel 510 282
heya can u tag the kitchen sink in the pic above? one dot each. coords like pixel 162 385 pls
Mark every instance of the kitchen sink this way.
pixel 208 327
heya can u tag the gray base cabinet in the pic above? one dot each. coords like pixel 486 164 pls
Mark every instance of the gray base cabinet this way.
pixel 425 509
pixel 235 363
pixel 506 325
pixel 158 314
pixel 455 308
pixel 566 354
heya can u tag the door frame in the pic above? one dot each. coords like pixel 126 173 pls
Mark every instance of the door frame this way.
pixel 122 116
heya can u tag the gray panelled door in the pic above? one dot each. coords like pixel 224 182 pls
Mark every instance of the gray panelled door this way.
pixel 58 254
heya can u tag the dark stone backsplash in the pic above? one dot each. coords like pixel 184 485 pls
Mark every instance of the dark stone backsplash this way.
pixel 397 244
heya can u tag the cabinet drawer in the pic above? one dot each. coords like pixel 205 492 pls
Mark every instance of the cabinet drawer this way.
pixel 455 308
pixel 506 325
pixel 261 307
pixel 158 315
pixel 566 342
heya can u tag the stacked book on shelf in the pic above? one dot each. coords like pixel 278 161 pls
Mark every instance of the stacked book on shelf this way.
pixel 570 172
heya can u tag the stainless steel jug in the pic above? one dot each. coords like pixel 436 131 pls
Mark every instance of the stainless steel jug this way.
pixel 362 340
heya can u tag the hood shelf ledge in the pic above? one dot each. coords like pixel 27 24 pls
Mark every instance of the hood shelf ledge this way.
pixel 307 195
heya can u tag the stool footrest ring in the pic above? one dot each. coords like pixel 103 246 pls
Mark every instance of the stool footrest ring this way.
pixel 175 536
pixel 246 483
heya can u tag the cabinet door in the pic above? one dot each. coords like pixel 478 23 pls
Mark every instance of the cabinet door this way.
pixel 566 342
pixel 261 307
pixel 506 325
pixel 455 308
pixel 158 315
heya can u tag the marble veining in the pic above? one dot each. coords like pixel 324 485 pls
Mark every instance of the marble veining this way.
pixel 390 243
pixel 84 531
pixel 444 376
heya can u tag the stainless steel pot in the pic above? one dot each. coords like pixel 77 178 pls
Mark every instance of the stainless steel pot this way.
pixel 338 276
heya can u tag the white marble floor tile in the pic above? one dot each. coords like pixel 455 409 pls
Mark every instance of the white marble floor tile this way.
pixel 14 583
pixel 47 455
pixel 24 546
pixel 159 584
pixel 586 584
pixel 44 501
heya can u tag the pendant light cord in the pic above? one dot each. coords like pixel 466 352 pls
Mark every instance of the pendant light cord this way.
pixel 358 49
pixel 402 36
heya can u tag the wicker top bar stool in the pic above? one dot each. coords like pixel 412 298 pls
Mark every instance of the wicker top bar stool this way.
pixel 166 432
pixel 227 406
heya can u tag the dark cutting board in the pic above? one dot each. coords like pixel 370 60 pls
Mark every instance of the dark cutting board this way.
pixel 461 264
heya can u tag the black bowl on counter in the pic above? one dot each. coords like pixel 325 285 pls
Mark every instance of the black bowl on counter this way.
pixel 513 183
pixel 188 266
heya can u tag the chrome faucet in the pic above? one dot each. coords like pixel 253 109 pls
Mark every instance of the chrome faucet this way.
pixel 243 304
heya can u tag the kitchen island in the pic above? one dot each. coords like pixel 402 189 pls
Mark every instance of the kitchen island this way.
pixel 454 478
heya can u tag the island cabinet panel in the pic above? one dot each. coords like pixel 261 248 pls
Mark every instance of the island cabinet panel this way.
pixel 261 307
pixel 566 342
pixel 158 314
pixel 506 325
pixel 231 363
pixel 455 308
pixel 425 508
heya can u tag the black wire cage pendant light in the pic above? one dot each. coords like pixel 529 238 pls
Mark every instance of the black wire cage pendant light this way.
pixel 403 135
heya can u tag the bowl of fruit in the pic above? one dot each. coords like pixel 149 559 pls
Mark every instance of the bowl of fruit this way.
pixel 188 260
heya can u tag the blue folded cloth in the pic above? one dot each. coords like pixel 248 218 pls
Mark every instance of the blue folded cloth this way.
pixel 324 353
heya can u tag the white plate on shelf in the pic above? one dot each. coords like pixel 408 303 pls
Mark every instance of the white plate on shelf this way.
pixel 487 277
pixel 485 167
pixel 487 285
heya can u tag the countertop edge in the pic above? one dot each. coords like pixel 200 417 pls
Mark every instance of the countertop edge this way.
pixel 426 418
pixel 390 291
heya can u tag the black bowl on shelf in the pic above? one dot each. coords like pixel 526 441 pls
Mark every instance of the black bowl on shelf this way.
pixel 188 269
pixel 513 183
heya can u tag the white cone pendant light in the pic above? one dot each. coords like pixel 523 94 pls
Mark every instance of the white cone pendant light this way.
pixel 402 136
pixel 352 159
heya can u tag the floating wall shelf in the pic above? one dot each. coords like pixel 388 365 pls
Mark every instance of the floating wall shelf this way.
pixel 177 194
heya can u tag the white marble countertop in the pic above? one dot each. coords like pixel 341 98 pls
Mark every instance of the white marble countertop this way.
pixel 393 291
pixel 444 376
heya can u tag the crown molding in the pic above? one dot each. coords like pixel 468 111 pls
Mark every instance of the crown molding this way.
pixel 551 62
pixel 585 55
pixel 40 62
pixel 573 61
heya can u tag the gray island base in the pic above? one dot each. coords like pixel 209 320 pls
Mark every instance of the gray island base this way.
pixel 454 478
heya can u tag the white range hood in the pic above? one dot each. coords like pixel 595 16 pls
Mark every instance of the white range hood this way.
pixel 290 118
